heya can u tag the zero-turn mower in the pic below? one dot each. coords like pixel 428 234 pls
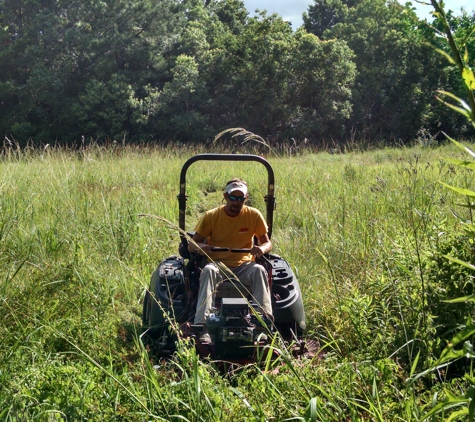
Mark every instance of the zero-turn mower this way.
pixel 236 328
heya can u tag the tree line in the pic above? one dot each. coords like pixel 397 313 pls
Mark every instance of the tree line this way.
pixel 184 70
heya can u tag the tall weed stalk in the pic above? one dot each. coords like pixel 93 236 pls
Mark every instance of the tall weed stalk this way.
pixel 460 347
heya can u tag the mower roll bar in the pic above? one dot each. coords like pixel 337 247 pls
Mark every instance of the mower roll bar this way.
pixel 269 198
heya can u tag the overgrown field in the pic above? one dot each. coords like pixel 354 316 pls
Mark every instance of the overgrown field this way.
pixel 81 233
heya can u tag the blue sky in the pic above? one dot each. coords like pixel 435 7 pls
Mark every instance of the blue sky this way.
pixel 291 10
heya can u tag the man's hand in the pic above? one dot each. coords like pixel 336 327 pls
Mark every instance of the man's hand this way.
pixel 199 248
pixel 264 246
pixel 203 249
pixel 198 245
pixel 257 251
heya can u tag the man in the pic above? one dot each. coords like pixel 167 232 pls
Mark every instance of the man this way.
pixel 232 226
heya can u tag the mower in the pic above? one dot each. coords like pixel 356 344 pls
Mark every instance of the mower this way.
pixel 236 327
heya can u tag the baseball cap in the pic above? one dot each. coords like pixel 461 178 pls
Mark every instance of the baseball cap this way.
pixel 236 186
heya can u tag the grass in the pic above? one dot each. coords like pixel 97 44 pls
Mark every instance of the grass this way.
pixel 79 242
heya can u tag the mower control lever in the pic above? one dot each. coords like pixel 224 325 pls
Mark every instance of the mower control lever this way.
pixel 218 249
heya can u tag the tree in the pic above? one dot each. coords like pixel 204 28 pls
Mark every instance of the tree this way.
pixel 262 75
pixel 56 53
pixel 394 85
pixel 279 83
pixel 181 98
pixel 323 15
pixel 324 74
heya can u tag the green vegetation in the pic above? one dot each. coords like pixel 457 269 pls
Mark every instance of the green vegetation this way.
pixel 366 233
pixel 383 250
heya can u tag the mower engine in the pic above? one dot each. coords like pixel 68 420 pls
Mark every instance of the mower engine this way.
pixel 235 329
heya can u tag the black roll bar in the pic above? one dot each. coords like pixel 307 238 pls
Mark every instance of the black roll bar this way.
pixel 269 198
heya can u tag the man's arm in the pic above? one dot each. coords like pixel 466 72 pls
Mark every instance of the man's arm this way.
pixel 198 245
pixel 265 246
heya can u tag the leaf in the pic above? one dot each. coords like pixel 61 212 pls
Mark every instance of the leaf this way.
pixel 414 364
pixel 455 415
pixel 470 394
pixel 452 401
pixel 452 398
pixel 449 353
pixel 468 349
pixel 462 299
pixel 460 110
pixel 459 261
pixel 466 164
pixel 462 191
pixel 311 413
pixel 461 146
pixel 243 398
pixel 468 77
pixel 446 55
pixel 455 98
pixel 469 227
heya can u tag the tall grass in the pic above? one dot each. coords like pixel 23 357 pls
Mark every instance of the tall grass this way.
pixel 79 243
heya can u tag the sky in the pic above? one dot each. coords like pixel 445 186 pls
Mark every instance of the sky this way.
pixel 291 10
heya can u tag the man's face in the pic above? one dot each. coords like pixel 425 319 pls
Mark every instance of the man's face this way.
pixel 234 202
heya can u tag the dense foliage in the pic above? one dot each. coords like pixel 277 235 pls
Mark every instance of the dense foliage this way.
pixel 142 71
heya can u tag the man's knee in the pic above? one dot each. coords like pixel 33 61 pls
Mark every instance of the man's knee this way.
pixel 209 270
pixel 259 270
pixel 258 277
pixel 210 275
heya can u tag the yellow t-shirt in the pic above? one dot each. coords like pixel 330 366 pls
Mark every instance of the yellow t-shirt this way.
pixel 232 232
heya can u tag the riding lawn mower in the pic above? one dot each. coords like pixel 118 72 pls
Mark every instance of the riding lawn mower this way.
pixel 236 326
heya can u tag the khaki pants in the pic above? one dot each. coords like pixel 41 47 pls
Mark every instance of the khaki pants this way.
pixel 249 274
